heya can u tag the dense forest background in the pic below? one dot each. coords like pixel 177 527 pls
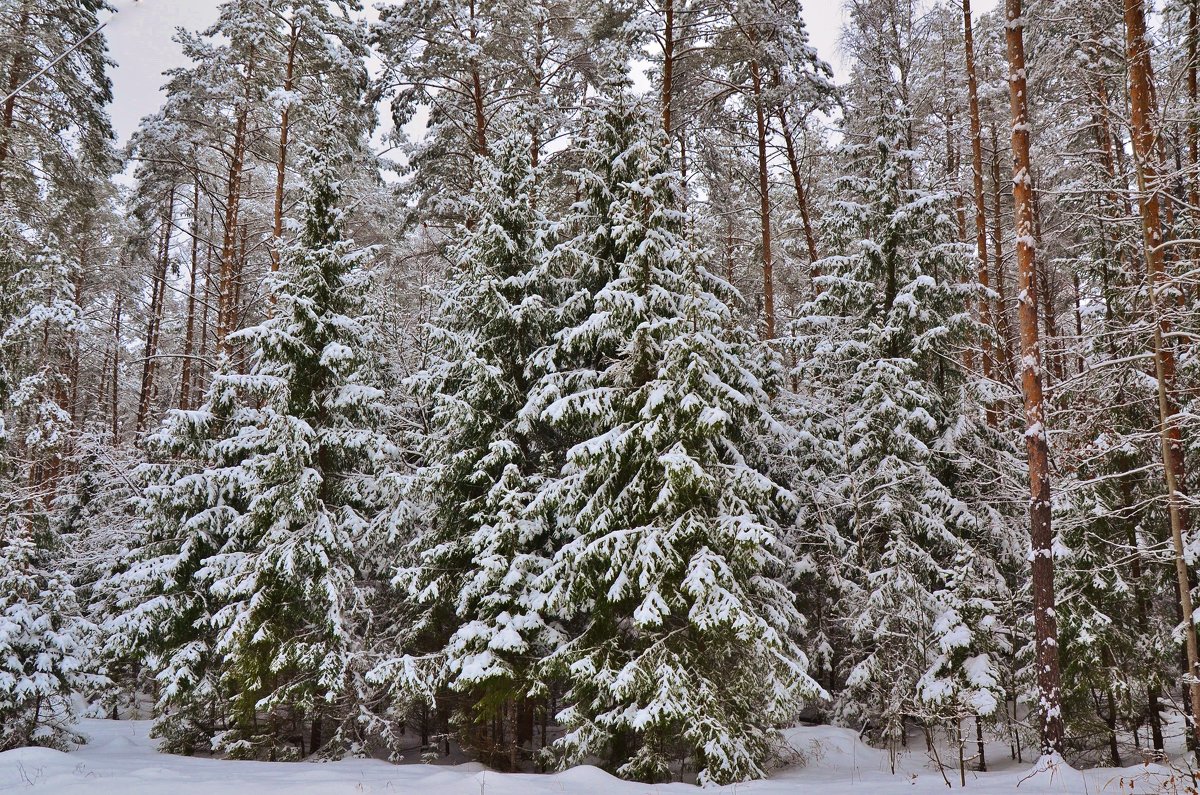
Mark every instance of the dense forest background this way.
pixel 564 381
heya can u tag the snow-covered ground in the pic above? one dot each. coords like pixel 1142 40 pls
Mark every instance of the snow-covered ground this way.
pixel 121 759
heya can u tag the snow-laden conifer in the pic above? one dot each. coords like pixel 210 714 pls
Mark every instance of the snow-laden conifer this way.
pixel 473 565
pixel 889 427
pixel 259 505
pixel 682 639
pixel 45 642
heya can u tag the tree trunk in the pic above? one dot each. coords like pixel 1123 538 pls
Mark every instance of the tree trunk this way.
pixel 979 744
pixel 1193 134
pixel 481 147
pixel 281 159
pixel 764 202
pixel 116 371
pixel 1041 536
pixel 158 294
pixel 1002 324
pixel 1117 193
pixel 1048 294
pixel 810 238
pixel 74 379
pixel 316 737
pixel 10 104
pixel 668 75
pixel 1141 100
pixel 189 336
pixel 981 243
pixel 209 259
pixel 226 310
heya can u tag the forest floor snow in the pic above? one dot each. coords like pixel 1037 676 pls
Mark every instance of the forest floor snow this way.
pixel 120 758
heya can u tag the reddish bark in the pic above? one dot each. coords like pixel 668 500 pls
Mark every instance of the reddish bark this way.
pixel 981 242
pixel 764 193
pixel 1041 536
pixel 1141 100
pixel 158 291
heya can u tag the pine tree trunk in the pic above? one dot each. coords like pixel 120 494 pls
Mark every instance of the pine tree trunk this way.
pixel 226 308
pixel 1077 294
pixel 238 284
pixel 158 296
pixel 668 74
pixel 764 202
pixel 1005 329
pixel 74 378
pixel 1041 536
pixel 481 147
pixel 16 70
pixel 1193 133
pixel 1117 194
pixel 981 242
pixel 281 159
pixel 189 336
pixel 209 259
pixel 116 371
pixel 810 238
pixel 1141 100
pixel 1052 345
pixel 535 130
pixel 954 178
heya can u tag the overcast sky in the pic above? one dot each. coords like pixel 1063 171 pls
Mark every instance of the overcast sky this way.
pixel 140 42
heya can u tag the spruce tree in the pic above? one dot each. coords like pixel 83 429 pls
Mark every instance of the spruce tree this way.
pixel 259 509
pixel 890 426
pixel 682 639
pixel 46 646
pixel 474 562
pixel 45 642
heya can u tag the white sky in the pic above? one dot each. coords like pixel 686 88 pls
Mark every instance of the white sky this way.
pixel 140 42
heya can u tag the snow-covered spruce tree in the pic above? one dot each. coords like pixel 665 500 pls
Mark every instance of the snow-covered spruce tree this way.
pixel 257 512
pixel 96 525
pixel 1117 652
pixel 888 419
pixel 682 640
pixel 480 547
pixel 45 642
pixel 164 609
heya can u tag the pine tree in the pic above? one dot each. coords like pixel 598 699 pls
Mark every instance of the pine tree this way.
pixel 259 512
pixel 53 125
pixel 682 639
pixel 765 53
pixel 470 71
